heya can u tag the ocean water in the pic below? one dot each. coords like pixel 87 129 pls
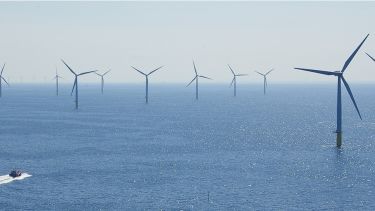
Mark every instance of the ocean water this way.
pixel 252 152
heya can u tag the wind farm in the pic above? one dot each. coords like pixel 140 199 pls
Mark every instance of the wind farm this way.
pixel 247 106
pixel 216 111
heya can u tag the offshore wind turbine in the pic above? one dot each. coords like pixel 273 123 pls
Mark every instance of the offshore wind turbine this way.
pixel 234 80
pixel 265 84
pixel 2 79
pixel 75 85
pixel 102 78
pixel 340 77
pixel 196 80
pixel 57 82
pixel 146 75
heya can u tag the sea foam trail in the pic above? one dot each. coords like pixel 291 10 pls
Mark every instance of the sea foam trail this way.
pixel 7 179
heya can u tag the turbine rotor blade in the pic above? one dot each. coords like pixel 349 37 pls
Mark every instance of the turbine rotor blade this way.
pixel 353 54
pixel 2 69
pixel 268 72
pixel 68 67
pixel 155 70
pixel 231 69
pixel 94 71
pixel 195 69
pixel 74 85
pixel 351 96
pixel 139 71
pixel 370 57
pixel 205 77
pixel 4 80
pixel 106 72
pixel 259 73
pixel 318 71
pixel 191 81
pixel 241 74
pixel 231 83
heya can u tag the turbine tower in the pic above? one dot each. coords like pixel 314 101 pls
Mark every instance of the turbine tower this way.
pixel 265 84
pixel 2 79
pixel 102 78
pixel 146 75
pixel 57 82
pixel 340 77
pixel 196 81
pixel 75 85
pixel 234 80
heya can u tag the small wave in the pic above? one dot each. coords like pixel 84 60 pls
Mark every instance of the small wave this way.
pixel 7 179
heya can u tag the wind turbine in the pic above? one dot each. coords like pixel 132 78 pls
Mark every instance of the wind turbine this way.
pixel 146 75
pixel 196 81
pixel 102 77
pixel 57 82
pixel 265 84
pixel 2 79
pixel 234 81
pixel 340 77
pixel 75 85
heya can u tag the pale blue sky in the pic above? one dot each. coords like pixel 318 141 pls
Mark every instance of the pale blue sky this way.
pixel 248 35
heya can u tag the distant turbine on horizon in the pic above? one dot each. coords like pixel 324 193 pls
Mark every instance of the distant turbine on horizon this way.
pixel 57 82
pixel 340 77
pixel 196 80
pixel 265 84
pixel 75 85
pixel 102 78
pixel 2 79
pixel 146 75
pixel 234 80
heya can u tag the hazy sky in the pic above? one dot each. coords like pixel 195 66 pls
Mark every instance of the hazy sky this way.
pixel 248 35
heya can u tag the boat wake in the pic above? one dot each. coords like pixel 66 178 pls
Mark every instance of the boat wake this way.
pixel 7 179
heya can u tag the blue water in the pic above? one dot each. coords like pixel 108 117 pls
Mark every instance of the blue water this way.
pixel 252 152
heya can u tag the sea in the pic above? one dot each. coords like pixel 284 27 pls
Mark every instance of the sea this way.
pixel 250 152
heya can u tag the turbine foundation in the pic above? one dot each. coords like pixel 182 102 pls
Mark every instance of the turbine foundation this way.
pixel 339 139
